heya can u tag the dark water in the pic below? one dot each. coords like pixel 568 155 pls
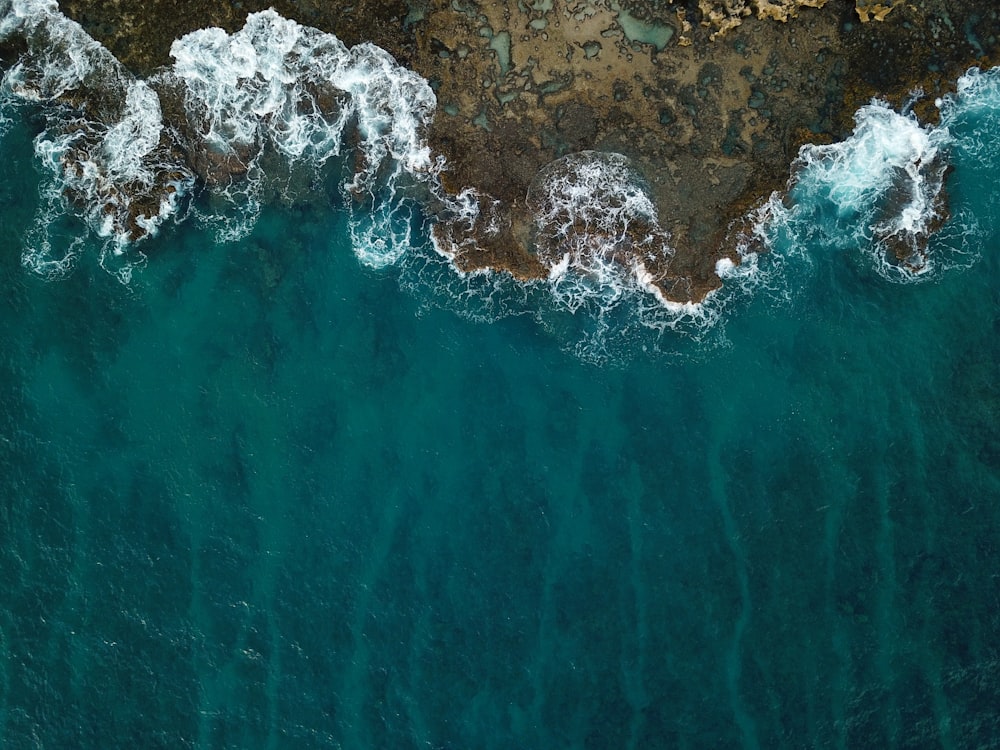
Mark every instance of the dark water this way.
pixel 266 497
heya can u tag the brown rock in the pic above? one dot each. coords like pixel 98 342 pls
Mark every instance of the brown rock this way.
pixel 711 117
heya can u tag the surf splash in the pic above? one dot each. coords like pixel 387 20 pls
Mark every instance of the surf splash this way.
pixel 273 111
pixel 595 229
pixel 103 145
pixel 278 88
pixel 282 112
pixel 247 113
pixel 972 117
pixel 880 193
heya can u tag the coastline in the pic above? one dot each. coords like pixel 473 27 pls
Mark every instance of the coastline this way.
pixel 709 104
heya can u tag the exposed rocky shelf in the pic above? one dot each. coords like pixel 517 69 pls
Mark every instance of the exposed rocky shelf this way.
pixel 709 101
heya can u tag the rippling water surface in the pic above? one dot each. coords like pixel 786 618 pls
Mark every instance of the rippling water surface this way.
pixel 268 495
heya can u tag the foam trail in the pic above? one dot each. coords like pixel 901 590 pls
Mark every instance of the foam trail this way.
pixel 276 86
pixel 880 191
pixel 596 231
pixel 103 145
pixel 607 260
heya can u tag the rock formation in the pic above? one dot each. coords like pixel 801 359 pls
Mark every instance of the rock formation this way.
pixel 708 101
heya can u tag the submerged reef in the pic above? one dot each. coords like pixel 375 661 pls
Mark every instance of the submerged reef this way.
pixel 703 105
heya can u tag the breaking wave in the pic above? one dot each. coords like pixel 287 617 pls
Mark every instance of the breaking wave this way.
pixel 882 192
pixel 276 86
pixel 283 112
pixel 595 229
pixel 262 111
pixel 103 146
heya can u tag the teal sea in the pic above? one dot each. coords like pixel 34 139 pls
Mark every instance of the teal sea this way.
pixel 264 495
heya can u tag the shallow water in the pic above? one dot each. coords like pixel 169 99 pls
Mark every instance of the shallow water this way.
pixel 267 496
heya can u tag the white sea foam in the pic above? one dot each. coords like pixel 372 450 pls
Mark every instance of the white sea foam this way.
pixel 275 87
pixel 278 93
pixel 106 155
pixel 61 55
pixel 880 190
pixel 280 96
pixel 595 229
pixel 596 233
pixel 278 85
pixel 972 116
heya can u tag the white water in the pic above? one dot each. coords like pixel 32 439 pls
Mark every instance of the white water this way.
pixel 590 210
pixel 598 233
pixel 282 89
pixel 108 163
pixel 277 85
pixel 273 86
pixel 878 191
pixel 270 111
pixel 972 115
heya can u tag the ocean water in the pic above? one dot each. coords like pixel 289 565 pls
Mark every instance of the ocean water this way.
pixel 277 476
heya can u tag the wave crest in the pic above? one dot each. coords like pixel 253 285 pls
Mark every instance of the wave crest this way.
pixel 104 147
pixel 595 228
pixel 880 190
pixel 278 86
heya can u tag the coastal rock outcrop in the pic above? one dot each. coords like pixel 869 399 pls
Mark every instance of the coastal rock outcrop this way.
pixel 708 100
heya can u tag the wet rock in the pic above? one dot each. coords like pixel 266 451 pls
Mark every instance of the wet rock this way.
pixel 711 118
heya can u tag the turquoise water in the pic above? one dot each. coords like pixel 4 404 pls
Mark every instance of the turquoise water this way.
pixel 266 496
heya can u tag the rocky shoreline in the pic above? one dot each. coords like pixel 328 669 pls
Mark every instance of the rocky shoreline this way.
pixel 708 102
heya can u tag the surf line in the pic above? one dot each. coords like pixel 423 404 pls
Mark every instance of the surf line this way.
pixel 277 88
pixel 230 102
